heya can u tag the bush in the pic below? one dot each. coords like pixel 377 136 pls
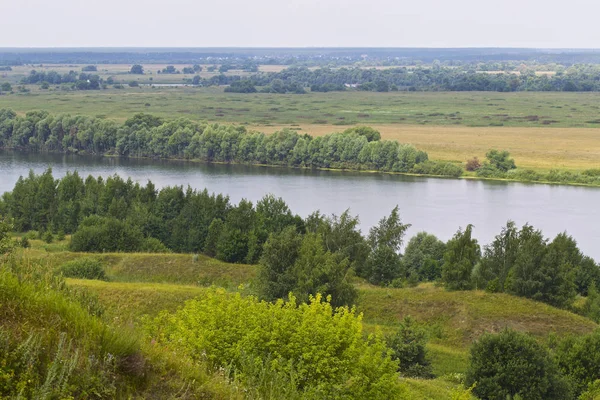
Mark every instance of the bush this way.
pixel 500 160
pixel 579 359
pixel 512 364
pixel 438 168
pixel 83 268
pixel 105 234
pixel 60 235
pixel 24 242
pixel 408 346
pixel 487 170
pixel 473 164
pixel 48 237
pixel 323 350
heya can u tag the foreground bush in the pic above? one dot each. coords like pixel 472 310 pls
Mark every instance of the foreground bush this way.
pixel 83 268
pixel 512 364
pixel 318 351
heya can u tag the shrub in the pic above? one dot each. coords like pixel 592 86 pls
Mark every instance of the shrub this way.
pixel 105 234
pixel 579 359
pixel 500 160
pixel 24 242
pixel 473 164
pixel 438 168
pixel 83 268
pixel 511 364
pixel 48 237
pixel 487 170
pixel 153 245
pixel 526 175
pixel 408 346
pixel 60 235
pixel 323 349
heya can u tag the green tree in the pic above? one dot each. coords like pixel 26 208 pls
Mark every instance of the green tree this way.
pixel 510 364
pixel 317 270
pixel 408 345
pixel 499 257
pixel 541 271
pixel 424 255
pixel 461 255
pixel 5 87
pixel 385 239
pixel 579 360
pixel 137 70
pixel 369 133
pixel 276 279
pixel 500 160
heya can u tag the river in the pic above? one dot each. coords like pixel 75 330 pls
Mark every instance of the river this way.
pixel 438 206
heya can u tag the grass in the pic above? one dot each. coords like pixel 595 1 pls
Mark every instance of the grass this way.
pixel 52 347
pixel 151 268
pixel 126 302
pixel 474 109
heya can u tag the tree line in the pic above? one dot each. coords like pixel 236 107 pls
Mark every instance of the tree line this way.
pixel 316 254
pixel 81 81
pixel 424 78
pixel 143 135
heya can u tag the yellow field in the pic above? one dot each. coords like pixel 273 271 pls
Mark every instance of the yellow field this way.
pixel 536 148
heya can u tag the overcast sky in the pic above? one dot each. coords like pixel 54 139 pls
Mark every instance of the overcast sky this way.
pixel 300 23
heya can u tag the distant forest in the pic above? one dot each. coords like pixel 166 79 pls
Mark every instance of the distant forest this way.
pixel 290 56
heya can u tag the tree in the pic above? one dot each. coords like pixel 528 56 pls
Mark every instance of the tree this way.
pixel 424 255
pixel 461 255
pixel 137 70
pixel 279 255
pixel 319 271
pixel 579 359
pixel 372 135
pixel 6 87
pixel 385 239
pixel 540 271
pixel 408 347
pixel 510 364
pixel 500 160
pixel 499 258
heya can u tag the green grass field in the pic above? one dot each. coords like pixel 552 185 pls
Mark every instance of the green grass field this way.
pixel 526 109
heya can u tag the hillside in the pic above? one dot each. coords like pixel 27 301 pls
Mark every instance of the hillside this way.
pixel 142 285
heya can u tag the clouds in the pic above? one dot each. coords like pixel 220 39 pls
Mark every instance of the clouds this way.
pixel 377 23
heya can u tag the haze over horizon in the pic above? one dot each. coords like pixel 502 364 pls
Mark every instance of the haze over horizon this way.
pixel 300 23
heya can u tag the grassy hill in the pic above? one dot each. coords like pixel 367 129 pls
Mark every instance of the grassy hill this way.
pixel 144 284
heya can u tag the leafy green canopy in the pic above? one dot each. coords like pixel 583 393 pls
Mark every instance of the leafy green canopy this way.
pixel 511 364
pixel 320 351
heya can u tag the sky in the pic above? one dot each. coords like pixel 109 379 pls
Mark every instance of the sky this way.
pixel 300 23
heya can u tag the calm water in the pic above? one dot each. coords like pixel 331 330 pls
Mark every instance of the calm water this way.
pixel 438 206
